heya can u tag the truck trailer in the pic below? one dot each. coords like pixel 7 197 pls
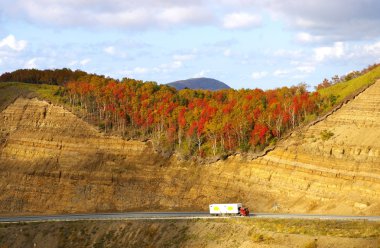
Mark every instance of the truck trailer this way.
pixel 228 209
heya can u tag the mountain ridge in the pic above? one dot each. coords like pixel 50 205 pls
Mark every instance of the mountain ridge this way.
pixel 199 83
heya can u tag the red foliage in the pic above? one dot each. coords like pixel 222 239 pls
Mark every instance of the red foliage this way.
pixel 181 118
pixel 227 109
pixel 256 113
pixel 259 134
pixel 247 115
pixel 192 128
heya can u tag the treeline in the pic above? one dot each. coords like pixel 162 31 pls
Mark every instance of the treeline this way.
pixel 338 79
pixel 193 122
pixel 34 76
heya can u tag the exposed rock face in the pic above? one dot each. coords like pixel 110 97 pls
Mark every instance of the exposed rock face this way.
pixel 53 162
pixel 336 161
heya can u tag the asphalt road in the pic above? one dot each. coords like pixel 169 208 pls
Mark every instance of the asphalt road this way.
pixel 172 215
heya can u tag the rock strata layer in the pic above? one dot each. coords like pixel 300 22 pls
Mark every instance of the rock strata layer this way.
pixel 53 162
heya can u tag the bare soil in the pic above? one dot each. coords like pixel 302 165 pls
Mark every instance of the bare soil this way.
pixel 192 233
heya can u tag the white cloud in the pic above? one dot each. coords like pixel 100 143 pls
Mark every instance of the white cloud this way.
pixel 170 66
pixel 364 52
pixel 304 23
pixel 326 52
pixel 11 43
pixel 84 61
pixel 162 68
pixel 81 62
pixel 175 64
pixel 307 69
pixel 137 71
pixel 110 50
pixel 227 52
pixel 119 50
pixel 140 70
pixel 113 13
pixel 337 20
pixel 165 68
pixel 259 75
pixel 202 73
pixel 31 64
pixel 241 20
pixel 288 53
pixel 183 57
pixel 373 49
pixel 179 15
pixel 73 63
pixel 322 20
pixel 281 73
pixel 304 37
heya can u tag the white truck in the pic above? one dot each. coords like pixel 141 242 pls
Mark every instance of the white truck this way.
pixel 228 209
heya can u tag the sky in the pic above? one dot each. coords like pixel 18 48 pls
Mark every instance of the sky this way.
pixel 244 43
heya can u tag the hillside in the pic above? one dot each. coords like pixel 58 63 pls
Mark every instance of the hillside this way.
pixel 199 124
pixel 235 232
pixel 199 83
pixel 346 88
pixel 53 162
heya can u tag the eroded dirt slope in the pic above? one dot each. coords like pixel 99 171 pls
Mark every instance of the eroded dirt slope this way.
pixel 336 162
pixel 216 233
pixel 53 162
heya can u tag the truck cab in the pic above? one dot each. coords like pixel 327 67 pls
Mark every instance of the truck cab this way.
pixel 243 211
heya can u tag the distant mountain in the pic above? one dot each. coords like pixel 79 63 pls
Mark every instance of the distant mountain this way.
pixel 199 83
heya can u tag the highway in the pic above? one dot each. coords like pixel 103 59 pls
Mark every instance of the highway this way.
pixel 171 215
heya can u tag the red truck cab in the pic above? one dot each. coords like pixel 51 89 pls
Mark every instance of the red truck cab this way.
pixel 244 212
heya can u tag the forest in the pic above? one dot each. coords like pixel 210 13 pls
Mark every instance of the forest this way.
pixel 192 123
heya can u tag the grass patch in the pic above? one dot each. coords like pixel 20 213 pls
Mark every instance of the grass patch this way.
pixel 326 135
pixel 258 238
pixel 217 232
pixel 11 90
pixel 344 89
pixel 312 244
pixel 335 228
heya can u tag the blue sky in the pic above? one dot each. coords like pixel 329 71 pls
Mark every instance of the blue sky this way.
pixel 244 43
